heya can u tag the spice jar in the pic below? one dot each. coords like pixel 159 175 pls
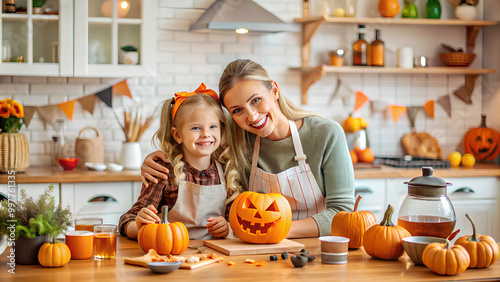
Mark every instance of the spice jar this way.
pixel 10 6
pixel 337 57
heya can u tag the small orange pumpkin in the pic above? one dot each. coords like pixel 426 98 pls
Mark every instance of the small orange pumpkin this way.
pixel 54 255
pixel 442 259
pixel 260 217
pixel 482 249
pixel 353 225
pixel 354 157
pixel 164 237
pixel 385 240
pixel 482 142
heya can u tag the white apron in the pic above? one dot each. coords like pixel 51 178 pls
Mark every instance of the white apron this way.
pixel 297 184
pixel 196 203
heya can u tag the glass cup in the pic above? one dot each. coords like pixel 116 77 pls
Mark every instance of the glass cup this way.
pixel 104 241
pixel 87 223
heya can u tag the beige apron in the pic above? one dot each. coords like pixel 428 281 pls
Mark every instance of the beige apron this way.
pixel 297 184
pixel 196 203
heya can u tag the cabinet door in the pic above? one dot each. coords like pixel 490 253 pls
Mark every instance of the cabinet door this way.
pixel 103 27
pixel 373 193
pixel 4 192
pixel 43 41
pixel 483 213
pixel 36 189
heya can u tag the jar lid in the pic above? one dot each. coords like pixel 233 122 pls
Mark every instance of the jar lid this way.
pixel 427 179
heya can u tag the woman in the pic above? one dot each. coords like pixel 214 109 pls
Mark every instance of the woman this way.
pixel 295 153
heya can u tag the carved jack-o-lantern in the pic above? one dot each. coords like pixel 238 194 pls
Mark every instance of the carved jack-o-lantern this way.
pixel 482 142
pixel 260 218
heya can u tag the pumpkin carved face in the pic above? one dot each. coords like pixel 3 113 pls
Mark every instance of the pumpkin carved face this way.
pixel 260 218
pixel 482 142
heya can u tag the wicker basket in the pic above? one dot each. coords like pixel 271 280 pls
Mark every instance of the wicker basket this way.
pixel 14 152
pixel 457 59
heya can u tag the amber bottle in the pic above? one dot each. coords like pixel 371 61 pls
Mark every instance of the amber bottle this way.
pixel 361 49
pixel 377 51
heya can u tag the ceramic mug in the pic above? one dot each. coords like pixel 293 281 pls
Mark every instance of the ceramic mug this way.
pixel 334 249
pixel 80 243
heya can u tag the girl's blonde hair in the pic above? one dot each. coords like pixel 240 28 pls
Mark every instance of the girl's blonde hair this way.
pixel 164 140
pixel 244 69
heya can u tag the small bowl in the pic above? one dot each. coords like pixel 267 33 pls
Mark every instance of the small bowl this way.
pixel 164 266
pixel 457 59
pixel 96 166
pixel 114 167
pixel 415 245
pixel 68 163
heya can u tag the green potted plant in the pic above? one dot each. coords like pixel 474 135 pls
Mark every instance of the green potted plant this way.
pixel 129 55
pixel 31 223
pixel 37 6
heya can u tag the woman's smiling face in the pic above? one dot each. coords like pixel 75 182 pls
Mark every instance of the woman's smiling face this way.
pixel 254 107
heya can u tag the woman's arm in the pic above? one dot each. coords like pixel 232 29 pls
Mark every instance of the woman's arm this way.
pixel 151 169
pixel 303 228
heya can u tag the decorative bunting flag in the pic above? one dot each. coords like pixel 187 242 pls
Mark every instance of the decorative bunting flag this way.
pixel 122 89
pixel 48 113
pixel 29 111
pixel 106 96
pixel 88 103
pixel 445 102
pixel 396 111
pixel 68 108
pixel 465 92
pixel 361 99
pixel 429 108
pixel 412 115
pixel 378 106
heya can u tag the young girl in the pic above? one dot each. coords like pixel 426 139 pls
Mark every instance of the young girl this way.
pixel 193 135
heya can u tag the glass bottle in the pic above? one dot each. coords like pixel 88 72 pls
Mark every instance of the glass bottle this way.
pixel 350 8
pixel 410 10
pixel 361 49
pixel 58 142
pixel 377 51
pixel 433 9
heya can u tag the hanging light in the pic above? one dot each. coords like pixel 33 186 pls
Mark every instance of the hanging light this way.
pixel 241 30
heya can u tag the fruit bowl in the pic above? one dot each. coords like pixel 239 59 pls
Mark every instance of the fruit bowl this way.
pixel 68 163
pixel 457 59
pixel 415 245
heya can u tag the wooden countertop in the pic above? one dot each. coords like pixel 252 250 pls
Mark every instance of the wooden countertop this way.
pixel 360 267
pixel 58 175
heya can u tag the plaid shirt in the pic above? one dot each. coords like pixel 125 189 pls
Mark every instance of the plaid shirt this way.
pixel 165 191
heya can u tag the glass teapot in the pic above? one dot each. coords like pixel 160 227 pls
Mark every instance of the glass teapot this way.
pixel 427 210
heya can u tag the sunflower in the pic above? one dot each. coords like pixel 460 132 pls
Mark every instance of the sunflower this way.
pixel 4 109
pixel 17 109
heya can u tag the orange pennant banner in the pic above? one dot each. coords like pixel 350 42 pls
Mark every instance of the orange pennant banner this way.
pixel 396 112
pixel 429 108
pixel 361 99
pixel 68 108
pixel 122 89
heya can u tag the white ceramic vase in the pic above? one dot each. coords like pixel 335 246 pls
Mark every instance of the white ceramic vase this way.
pixel 466 12
pixel 129 58
pixel 130 157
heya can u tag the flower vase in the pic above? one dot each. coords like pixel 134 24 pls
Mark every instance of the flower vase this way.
pixel 130 156
pixel 14 152
pixel 26 249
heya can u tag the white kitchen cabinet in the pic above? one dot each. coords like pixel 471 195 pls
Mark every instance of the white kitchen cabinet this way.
pixel 373 193
pixel 79 41
pixel 36 189
pixel 4 192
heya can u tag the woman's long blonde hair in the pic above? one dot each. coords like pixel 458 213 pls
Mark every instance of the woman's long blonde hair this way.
pixel 244 69
pixel 164 140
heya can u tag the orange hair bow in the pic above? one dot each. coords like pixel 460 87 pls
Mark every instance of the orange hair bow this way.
pixel 181 96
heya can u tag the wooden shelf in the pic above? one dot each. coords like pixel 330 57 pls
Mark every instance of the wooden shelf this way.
pixel 395 21
pixel 390 70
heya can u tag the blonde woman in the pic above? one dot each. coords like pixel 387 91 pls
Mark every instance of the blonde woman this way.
pixel 283 149
pixel 193 137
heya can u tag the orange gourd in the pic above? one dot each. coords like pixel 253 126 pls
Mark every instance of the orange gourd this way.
pixel 483 249
pixel 260 217
pixel 164 237
pixel 385 240
pixel 351 124
pixel 388 8
pixel 54 255
pixel 482 142
pixel 365 156
pixel 354 156
pixel 442 259
pixel 353 225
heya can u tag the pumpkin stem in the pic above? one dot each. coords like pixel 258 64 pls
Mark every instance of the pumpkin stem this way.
pixel 164 211
pixel 387 217
pixel 473 237
pixel 357 203
pixel 262 191
pixel 483 121
pixel 447 244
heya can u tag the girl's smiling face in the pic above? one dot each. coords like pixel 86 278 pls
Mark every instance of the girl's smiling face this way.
pixel 255 108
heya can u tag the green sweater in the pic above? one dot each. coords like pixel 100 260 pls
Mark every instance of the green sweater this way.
pixel 324 144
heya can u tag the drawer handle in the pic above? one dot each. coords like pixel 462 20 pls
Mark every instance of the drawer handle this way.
pixel 359 190
pixel 102 198
pixel 464 190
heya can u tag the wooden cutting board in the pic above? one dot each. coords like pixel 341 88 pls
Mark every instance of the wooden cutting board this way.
pixel 235 247
pixel 142 261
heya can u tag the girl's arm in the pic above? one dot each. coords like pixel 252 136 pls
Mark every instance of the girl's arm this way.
pixel 151 169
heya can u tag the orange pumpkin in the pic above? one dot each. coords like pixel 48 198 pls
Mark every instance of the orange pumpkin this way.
pixel 354 156
pixel 482 249
pixel 260 218
pixel 164 237
pixel 353 225
pixel 54 255
pixel 365 156
pixel 482 142
pixel 388 8
pixel 442 259
pixel 385 240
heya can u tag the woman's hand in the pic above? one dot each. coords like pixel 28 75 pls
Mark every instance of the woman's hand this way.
pixel 146 216
pixel 150 168
pixel 218 226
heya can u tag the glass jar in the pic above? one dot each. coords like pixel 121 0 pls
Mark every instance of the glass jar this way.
pixel 59 142
pixel 410 10
pixel 433 9
pixel 427 210
pixel 340 8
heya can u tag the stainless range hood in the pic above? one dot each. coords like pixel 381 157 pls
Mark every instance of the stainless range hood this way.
pixel 231 15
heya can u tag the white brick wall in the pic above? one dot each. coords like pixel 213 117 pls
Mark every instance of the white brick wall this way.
pixel 184 59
